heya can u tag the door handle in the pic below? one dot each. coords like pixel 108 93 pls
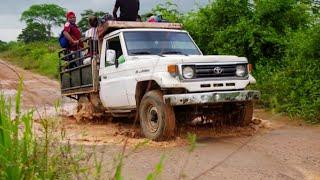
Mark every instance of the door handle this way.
pixel 104 77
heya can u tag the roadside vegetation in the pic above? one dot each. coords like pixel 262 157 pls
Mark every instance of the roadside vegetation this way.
pixel 279 37
pixel 25 154
pixel 39 57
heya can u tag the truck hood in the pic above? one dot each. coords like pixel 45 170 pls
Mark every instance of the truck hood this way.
pixel 181 59
pixel 203 59
pixel 213 59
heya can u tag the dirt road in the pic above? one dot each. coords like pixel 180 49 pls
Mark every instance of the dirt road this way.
pixel 39 92
pixel 280 149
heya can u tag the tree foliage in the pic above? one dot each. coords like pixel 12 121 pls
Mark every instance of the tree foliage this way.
pixel 3 46
pixel 255 30
pixel 48 15
pixel 83 23
pixel 168 10
pixel 33 32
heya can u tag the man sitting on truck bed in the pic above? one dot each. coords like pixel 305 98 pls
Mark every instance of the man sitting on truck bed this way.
pixel 128 10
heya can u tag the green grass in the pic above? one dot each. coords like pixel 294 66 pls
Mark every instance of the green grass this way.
pixel 26 155
pixel 39 57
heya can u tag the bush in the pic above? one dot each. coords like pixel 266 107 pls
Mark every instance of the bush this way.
pixel 3 46
pixel 294 87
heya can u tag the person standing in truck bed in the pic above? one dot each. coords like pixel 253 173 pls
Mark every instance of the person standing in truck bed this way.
pixel 128 10
pixel 73 34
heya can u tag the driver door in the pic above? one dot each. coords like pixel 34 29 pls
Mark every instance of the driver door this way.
pixel 112 85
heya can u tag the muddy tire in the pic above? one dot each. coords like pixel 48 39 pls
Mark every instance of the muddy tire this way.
pixel 246 114
pixel 89 107
pixel 157 119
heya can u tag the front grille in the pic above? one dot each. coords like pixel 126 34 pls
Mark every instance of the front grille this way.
pixel 212 71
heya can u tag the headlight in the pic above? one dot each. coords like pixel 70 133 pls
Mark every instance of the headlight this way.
pixel 188 72
pixel 241 70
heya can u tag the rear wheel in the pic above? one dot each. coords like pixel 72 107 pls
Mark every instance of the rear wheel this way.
pixel 157 119
pixel 89 107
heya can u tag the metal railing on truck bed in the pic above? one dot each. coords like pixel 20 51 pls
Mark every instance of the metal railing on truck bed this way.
pixel 78 70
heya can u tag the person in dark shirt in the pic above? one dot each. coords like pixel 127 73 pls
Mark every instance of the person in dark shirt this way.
pixel 128 10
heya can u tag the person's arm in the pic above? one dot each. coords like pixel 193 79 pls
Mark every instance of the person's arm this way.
pixel 87 34
pixel 115 9
pixel 70 39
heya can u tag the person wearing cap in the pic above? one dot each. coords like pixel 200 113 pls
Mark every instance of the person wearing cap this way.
pixel 128 10
pixel 72 32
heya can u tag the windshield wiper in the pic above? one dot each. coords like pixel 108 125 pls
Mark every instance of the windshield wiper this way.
pixel 145 53
pixel 173 52
pixel 141 53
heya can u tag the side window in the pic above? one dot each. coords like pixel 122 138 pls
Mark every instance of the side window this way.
pixel 115 44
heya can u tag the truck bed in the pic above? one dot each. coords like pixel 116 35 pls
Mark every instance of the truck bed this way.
pixel 81 78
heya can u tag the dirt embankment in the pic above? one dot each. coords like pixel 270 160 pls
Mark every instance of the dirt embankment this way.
pixel 279 149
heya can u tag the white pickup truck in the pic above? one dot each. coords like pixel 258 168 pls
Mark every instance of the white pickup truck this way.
pixel 158 74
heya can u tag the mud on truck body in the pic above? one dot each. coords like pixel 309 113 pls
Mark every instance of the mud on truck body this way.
pixel 164 78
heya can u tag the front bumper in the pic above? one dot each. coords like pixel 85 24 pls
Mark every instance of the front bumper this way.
pixel 211 97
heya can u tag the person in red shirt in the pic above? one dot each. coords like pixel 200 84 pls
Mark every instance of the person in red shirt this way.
pixel 72 32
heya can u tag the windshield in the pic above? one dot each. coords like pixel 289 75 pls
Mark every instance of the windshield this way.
pixel 159 43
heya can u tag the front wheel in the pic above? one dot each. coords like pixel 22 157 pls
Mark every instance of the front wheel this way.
pixel 157 119
pixel 246 114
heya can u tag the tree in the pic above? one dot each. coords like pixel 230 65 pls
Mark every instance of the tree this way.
pixel 3 46
pixel 83 23
pixel 255 29
pixel 47 15
pixel 33 32
pixel 168 10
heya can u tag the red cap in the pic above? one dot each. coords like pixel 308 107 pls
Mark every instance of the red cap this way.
pixel 69 14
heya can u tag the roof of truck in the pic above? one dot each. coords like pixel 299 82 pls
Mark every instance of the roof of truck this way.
pixel 110 26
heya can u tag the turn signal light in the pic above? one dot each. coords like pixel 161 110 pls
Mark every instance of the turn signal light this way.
pixel 250 68
pixel 173 69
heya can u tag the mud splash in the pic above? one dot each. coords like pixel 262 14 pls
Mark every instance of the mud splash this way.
pixel 108 132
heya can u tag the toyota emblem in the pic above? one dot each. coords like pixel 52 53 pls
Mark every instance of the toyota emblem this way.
pixel 218 70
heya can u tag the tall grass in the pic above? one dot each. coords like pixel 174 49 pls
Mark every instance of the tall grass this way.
pixel 28 155
pixel 16 144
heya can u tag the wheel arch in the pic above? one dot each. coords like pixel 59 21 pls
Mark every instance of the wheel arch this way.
pixel 143 87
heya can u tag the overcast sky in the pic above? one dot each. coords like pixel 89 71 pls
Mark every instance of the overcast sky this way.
pixel 10 11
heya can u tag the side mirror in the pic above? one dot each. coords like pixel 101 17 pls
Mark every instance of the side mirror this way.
pixel 111 56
